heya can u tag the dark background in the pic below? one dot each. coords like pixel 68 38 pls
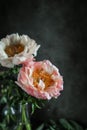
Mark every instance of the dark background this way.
pixel 61 28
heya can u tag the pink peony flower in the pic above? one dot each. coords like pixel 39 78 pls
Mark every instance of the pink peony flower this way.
pixel 40 79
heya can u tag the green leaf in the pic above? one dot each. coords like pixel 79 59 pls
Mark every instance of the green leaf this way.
pixel 33 108
pixel 37 105
pixel 19 127
pixel 40 127
pixel 51 128
pixel 65 124
pixel 3 100
pixel 2 125
pixel 76 125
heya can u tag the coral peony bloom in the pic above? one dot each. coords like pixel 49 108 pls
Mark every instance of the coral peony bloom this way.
pixel 15 49
pixel 40 79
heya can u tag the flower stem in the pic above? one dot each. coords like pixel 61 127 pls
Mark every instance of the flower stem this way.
pixel 24 118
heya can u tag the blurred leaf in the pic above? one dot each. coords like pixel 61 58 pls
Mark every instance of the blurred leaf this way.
pixel 18 127
pixel 40 127
pixel 66 124
pixel 37 105
pixel 33 108
pixel 51 128
pixel 3 100
pixel 76 125
pixel 2 126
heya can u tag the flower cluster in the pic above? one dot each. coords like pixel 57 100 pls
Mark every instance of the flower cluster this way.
pixel 40 79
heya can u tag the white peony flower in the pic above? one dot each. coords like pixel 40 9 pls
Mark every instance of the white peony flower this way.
pixel 15 49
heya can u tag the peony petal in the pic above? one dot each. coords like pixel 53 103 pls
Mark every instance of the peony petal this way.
pixel 29 49
pixel 40 90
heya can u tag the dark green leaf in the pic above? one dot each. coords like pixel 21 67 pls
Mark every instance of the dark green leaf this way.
pixel 51 128
pixel 3 100
pixel 40 127
pixel 76 125
pixel 66 124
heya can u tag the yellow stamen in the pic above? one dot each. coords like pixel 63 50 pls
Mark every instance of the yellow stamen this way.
pixel 13 49
pixel 42 75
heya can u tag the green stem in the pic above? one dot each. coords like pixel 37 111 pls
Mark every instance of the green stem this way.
pixel 24 118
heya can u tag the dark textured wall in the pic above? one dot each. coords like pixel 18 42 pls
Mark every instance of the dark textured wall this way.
pixel 61 28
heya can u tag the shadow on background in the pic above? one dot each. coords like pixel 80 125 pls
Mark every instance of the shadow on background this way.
pixel 61 28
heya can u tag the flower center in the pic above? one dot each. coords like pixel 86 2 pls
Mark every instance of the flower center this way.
pixel 11 50
pixel 42 75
